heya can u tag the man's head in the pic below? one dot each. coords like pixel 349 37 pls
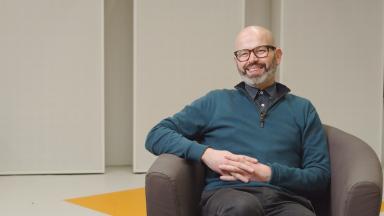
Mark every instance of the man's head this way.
pixel 256 56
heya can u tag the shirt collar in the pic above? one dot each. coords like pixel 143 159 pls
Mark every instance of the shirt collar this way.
pixel 252 91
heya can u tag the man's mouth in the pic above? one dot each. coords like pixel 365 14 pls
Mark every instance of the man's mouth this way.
pixel 255 67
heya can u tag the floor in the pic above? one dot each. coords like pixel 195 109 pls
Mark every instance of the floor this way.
pixel 74 195
pixel 43 195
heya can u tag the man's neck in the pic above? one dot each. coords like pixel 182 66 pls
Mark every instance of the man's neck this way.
pixel 265 84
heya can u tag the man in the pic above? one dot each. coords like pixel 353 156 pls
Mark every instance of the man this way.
pixel 265 149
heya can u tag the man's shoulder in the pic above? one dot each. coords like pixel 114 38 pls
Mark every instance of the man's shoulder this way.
pixel 214 98
pixel 296 100
pixel 222 92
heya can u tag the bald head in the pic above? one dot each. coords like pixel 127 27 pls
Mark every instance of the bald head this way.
pixel 253 36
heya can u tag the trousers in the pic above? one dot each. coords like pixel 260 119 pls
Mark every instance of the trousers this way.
pixel 254 201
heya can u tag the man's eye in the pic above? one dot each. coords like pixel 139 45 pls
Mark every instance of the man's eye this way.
pixel 261 51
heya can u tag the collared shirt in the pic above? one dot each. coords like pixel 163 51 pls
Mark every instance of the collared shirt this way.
pixel 262 98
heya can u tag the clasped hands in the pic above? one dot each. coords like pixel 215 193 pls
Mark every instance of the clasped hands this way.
pixel 233 167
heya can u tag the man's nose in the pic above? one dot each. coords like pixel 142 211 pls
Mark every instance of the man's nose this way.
pixel 252 57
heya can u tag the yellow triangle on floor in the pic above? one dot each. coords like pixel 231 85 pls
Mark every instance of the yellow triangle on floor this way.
pixel 121 203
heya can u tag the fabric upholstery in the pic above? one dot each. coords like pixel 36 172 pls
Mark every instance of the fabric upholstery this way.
pixel 173 186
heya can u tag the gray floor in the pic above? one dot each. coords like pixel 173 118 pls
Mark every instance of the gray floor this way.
pixel 44 195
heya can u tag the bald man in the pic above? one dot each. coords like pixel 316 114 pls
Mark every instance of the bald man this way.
pixel 265 149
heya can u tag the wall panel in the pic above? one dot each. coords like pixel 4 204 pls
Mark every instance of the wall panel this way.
pixel 118 81
pixel 182 49
pixel 51 86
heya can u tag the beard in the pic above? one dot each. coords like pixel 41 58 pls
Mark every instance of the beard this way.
pixel 269 73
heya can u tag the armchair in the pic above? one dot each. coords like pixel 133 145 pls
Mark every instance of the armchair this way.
pixel 173 185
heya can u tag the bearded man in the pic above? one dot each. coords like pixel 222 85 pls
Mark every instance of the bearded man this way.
pixel 265 149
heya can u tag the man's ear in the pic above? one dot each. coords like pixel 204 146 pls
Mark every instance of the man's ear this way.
pixel 278 55
pixel 235 60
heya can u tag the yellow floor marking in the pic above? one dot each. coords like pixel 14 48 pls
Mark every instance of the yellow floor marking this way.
pixel 121 203
pixel 382 207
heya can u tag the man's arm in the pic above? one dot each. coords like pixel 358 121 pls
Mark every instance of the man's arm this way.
pixel 177 134
pixel 167 137
pixel 314 173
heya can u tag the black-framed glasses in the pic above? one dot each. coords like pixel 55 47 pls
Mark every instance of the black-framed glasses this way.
pixel 260 52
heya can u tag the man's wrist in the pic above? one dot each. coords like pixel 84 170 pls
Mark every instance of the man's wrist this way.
pixel 205 154
pixel 268 173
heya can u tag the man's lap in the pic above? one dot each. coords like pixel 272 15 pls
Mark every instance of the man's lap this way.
pixel 254 201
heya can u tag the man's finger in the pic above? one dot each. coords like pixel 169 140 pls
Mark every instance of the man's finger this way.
pixel 240 177
pixel 241 165
pixel 229 168
pixel 250 159
pixel 228 178
pixel 240 158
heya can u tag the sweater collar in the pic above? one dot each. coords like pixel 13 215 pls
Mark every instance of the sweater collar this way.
pixel 281 89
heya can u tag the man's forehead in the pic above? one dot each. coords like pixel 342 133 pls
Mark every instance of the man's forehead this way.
pixel 249 40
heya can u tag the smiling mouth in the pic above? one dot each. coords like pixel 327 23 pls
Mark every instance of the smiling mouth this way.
pixel 255 67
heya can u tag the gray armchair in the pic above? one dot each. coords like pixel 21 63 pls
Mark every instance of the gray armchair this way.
pixel 173 185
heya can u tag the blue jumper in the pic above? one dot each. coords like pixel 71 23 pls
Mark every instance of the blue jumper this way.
pixel 288 137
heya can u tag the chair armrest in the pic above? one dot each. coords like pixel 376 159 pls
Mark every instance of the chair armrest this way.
pixel 173 187
pixel 356 182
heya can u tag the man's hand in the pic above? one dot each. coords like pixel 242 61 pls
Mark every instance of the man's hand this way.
pixel 215 158
pixel 233 170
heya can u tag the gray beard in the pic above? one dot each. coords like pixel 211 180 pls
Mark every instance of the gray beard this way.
pixel 255 81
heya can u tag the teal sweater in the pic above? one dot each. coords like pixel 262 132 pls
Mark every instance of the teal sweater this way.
pixel 289 137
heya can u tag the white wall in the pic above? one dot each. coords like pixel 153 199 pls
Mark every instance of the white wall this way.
pixel 333 55
pixel 182 50
pixel 118 81
pixel 51 86
pixel 258 12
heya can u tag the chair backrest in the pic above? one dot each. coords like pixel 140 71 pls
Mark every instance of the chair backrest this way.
pixel 356 177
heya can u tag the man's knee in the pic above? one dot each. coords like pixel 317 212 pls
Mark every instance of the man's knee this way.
pixel 302 212
pixel 291 209
pixel 241 207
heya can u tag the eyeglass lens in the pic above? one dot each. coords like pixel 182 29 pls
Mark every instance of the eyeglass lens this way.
pixel 259 52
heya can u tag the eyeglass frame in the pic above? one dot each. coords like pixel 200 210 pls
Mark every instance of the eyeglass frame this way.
pixel 254 52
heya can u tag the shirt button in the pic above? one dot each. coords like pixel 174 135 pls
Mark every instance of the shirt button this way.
pixel 262 105
pixel 261 92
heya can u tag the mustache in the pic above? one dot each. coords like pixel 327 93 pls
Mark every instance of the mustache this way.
pixel 261 65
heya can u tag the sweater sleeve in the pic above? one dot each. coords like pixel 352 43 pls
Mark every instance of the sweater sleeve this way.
pixel 177 134
pixel 314 174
